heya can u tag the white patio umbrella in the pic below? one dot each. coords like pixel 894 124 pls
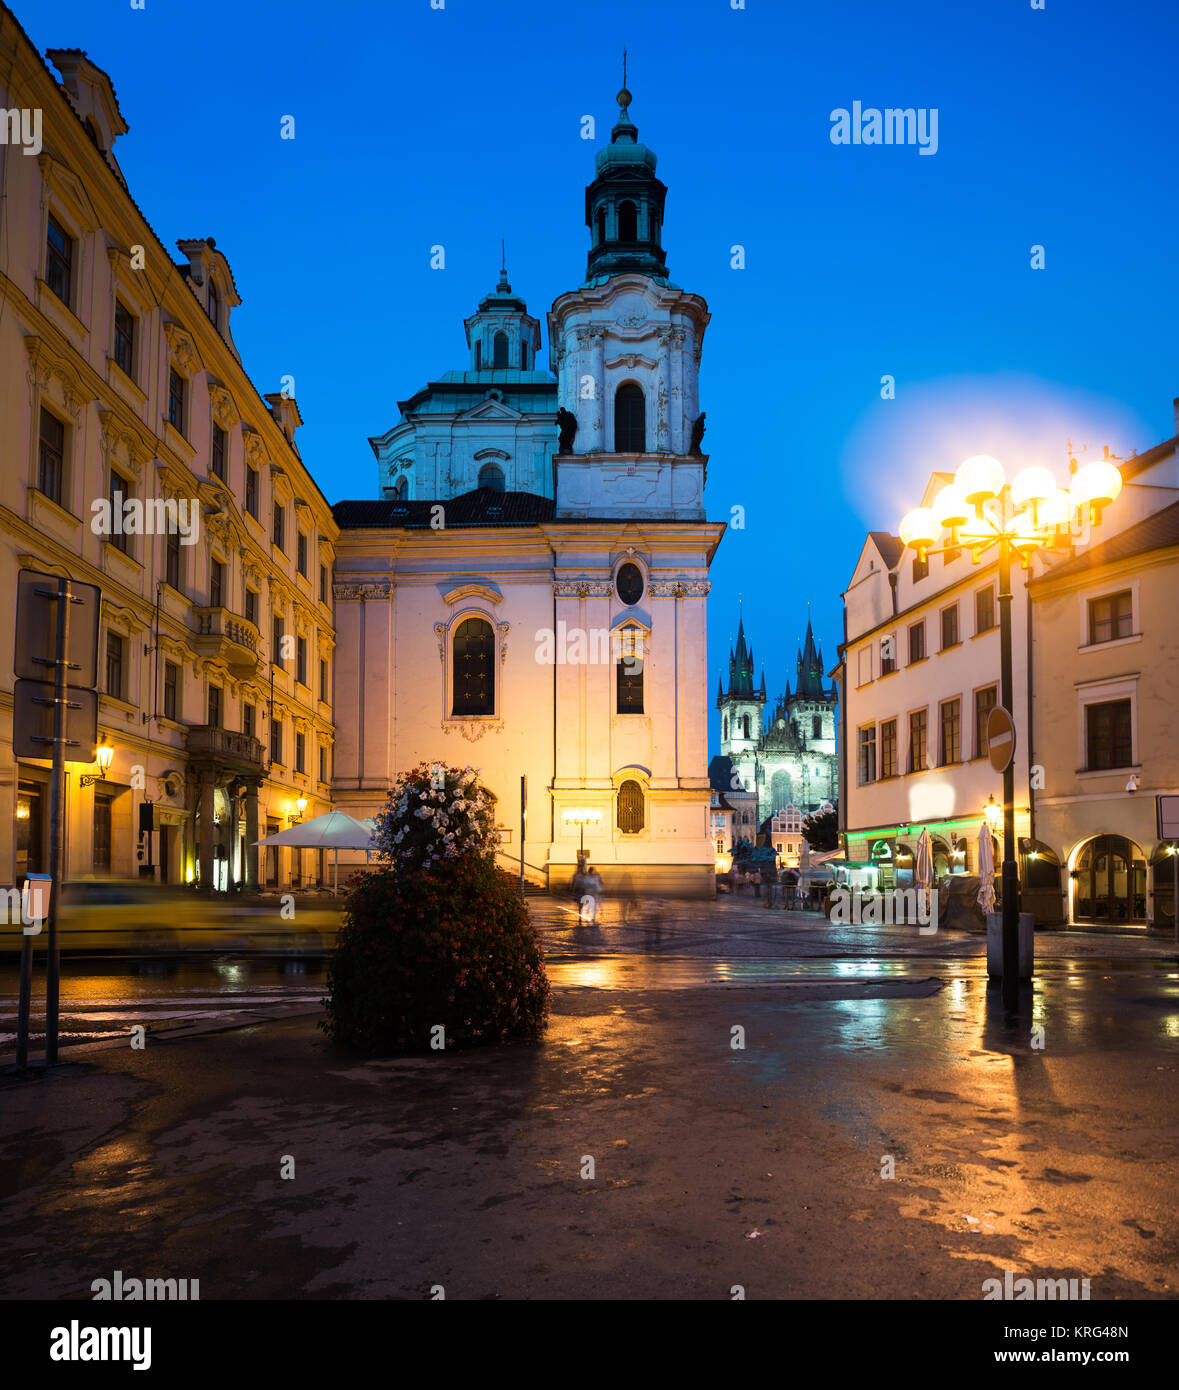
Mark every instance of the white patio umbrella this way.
pixel 986 869
pixel 333 830
pixel 923 867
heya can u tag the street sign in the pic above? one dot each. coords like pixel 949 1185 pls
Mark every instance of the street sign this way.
pixel 36 630
pixel 1000 738
pixel 32 722
pixel 1167 808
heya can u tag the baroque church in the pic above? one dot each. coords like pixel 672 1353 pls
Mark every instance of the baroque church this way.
pixel 789 758
pixel 517 508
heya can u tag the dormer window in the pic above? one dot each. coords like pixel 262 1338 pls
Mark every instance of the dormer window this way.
pixel 214 306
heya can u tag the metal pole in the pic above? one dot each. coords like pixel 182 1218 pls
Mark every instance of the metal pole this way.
pixel 26 990
pixel 1010 879
pixel 57 819
pixel 522 782
pixel 1174 891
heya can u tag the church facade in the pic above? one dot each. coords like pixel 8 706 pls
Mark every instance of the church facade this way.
pixel 529 592
pixel 788 757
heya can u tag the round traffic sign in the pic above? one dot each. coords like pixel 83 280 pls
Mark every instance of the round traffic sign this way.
pixel 1000 738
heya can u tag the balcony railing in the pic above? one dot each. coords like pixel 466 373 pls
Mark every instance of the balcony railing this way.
pixel 226 635
pixel 225 746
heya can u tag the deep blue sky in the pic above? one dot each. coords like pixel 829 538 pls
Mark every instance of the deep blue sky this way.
pixel 417 126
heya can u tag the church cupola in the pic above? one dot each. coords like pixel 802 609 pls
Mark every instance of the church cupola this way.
pixel 501 334
pixel 624 206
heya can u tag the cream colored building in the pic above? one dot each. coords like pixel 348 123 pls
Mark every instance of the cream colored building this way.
pixel 119 380
pixel 1105 717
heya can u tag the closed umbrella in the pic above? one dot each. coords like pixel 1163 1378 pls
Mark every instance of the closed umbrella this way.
pixel 986 869
pixel 923 868
pixel 333 830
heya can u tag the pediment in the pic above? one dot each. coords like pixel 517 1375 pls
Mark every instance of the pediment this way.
pixel 491 410
pixel 471 588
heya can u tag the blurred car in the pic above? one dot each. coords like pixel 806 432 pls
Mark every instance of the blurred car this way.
pixel 126 917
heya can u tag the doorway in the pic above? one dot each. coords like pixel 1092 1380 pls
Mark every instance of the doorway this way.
pixel 1109 882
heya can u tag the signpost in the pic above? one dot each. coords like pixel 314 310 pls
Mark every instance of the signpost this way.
pixel 47 723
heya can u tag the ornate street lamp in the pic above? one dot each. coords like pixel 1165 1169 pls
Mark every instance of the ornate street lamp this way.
pixel 582 816
pixel 104 755
pixel 979 510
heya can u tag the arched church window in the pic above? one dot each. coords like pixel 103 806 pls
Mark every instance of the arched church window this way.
pixel 745 722
pixel 474 667
pixel 499 348
pixel 631 810
pixel 630 419
pixel 628 222
pixel 601 225
pixel 492 475
pixel 478 356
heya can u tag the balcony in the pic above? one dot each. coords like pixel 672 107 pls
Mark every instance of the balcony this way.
pixel 225 748
pixel 228 637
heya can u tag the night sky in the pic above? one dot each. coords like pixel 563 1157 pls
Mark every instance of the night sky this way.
pixel 462 126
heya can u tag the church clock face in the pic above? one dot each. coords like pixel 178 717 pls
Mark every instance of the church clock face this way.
pixel 781 723
pixel 629 583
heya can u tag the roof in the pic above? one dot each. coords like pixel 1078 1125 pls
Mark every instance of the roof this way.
pixel 485 506
pixel 1155 532
pixel 891 547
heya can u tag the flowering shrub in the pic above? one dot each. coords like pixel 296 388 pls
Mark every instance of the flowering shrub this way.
pixel 453 947
pixel 435 813
pixel 437 934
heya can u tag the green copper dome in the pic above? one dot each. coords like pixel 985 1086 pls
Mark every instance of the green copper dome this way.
pixel 624 207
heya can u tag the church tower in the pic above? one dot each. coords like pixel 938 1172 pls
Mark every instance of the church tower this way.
pixel 626 347
pixel 741 712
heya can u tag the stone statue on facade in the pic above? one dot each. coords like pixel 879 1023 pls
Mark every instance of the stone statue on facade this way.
pixel 567 424
pixel 697 435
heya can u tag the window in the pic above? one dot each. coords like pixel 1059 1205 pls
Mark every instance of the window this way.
pixel 214 719
pixel 984 703
pixel 252 606
pixel 629 667
pixel 172 557
pixel 629 583
pixel 492 475
pixel 252 491
pixel 888 748
pixel 474 670
pixel 322 763
pixel 920 569
pixel 119 490
pixel 276 741
pixel 628 222
pixel 216 584
pixel 176 385
pixel 816 726
pixel 1108 735
pixel 631 808
pixel 51 457
pixel 114 665
pixel 950 626
pixel 1110 617
pixel 499 350
pixel 950 554
pixel 248 720
pixel 984 609
pixel 726 732
pixel 951 742
pixel 630 419
pixel 102 833
pixel 218 453
pixel 323 581
pixel 745 722
pixel 867 755
pixel 864 665
pixel 59 260
pixel 301 660
pixel 888 654
pixel 918 740
pixel 171 672
pixel 917 642
pixel 124 339
pixel 323 679
pixel 276 640
pixel 523 356
pixel 300 752
pixel 279 529
pixel 301 554
pixel 214 306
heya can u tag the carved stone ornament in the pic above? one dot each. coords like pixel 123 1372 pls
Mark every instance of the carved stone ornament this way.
pixel 503 629
pixel 375 588
pixel 224 410
pixel 472 729
pixel 583 588
pixel 679 588
pixel 633 320
pixel 440 633
pixel 182 348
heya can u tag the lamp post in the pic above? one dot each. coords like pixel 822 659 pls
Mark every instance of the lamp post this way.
pixel 978 510
pixel 582 816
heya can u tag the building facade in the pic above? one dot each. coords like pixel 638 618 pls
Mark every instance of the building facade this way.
pixel 556 642
pixel 142 459
pixel 791 757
